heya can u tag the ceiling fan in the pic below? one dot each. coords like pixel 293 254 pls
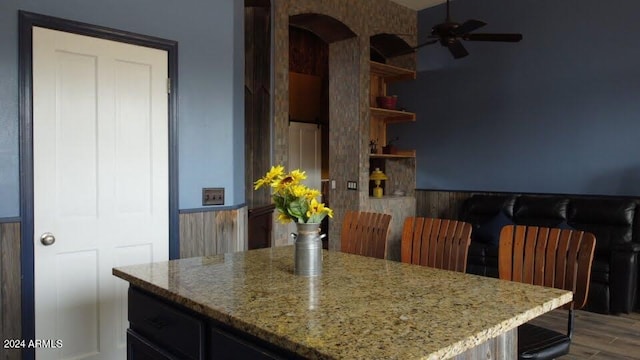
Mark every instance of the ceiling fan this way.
pixel 449 34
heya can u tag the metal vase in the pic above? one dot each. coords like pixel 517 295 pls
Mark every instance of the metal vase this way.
pixel 308 250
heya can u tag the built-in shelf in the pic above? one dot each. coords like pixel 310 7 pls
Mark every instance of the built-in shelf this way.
pixel 391 73
pixel 400 155
pixel 392 116
pixel 395 165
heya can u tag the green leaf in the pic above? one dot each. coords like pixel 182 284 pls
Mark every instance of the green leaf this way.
pixel 316 217
pixel 298 209
pixel 280 203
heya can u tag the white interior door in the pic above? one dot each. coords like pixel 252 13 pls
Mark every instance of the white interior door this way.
pixel 100 152
pixel 305 151
pixel 305 154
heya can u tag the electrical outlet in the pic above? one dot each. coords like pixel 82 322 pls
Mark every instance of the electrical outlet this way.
pixel 212 196
pixel 352 185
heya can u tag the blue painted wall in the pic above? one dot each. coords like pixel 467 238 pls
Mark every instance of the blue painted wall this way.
pixel 558 112
pixel 210 104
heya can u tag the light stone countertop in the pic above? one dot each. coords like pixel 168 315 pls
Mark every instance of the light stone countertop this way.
pixel 359 308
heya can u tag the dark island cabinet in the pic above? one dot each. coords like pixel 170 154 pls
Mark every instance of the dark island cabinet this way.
pixel 139 348
pixel 163 327
pixel 162 330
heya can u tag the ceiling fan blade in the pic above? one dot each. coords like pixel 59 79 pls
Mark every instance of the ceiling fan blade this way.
pixel 468 26
pixel 457 49
pixel 413 50
pixel 493 37
pixel 425 44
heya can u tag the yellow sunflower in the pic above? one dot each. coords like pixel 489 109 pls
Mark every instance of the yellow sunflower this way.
pixel 270 177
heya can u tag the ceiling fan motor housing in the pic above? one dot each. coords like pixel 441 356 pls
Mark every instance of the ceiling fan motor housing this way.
pixel 444 29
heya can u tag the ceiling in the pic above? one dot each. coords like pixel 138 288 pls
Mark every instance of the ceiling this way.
pixel 419 4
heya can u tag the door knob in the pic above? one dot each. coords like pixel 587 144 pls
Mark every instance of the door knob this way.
pixel 47 239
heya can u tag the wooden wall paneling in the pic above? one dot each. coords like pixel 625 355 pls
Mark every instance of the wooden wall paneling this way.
pixel 10 290
pixel 241 237
pixel 212 243
pixel 504 346
pixel 191 234
pixel 230 230
pixel 308 54
pixel 443 205
pixel 433 204
pixel 249 108
pixel 224 226
pixel 420 203
pixel 249 135
pixel 250 44
pixel 257 3
pixel 451 212
pixel 227 230
pixel 257 100
pixel 212 232
pixel 440 204
pixel 455 203
pixel 425 204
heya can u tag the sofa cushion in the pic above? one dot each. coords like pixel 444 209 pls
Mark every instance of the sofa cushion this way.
pixel 489 232
pixel 602 211
pixel 564 226
pixel 481 208
pixel 610 220
pixel 545 211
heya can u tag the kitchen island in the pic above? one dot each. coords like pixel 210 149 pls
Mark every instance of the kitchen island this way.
pixel 359 308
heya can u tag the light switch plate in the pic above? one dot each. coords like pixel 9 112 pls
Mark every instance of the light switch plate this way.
pixel 212 196
pixel 352 185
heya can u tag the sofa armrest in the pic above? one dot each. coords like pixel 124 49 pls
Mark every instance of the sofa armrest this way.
pixel 626 247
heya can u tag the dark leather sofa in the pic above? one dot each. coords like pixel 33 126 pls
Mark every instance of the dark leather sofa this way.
pixel 614 221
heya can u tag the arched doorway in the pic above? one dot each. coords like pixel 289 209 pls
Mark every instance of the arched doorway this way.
pixel 310 36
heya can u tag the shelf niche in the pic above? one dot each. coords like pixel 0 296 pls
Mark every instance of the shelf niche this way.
pixel 403 168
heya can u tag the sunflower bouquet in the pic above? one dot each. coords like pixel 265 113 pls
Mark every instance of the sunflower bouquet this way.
pixel 294 201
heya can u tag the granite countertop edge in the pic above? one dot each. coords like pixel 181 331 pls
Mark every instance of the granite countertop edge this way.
pixel 285 342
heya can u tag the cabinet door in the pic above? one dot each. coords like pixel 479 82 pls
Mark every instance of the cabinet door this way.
pixel 226 346
pixel 139 348
pixel 176 329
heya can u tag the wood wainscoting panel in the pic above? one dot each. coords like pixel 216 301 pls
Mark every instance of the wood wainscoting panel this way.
pixel 10 289
pixel 504 346
pixel 191 234
pixel 213 232
pixel 440 204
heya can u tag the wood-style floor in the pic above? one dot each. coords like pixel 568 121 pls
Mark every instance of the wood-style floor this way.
pixel 597 336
